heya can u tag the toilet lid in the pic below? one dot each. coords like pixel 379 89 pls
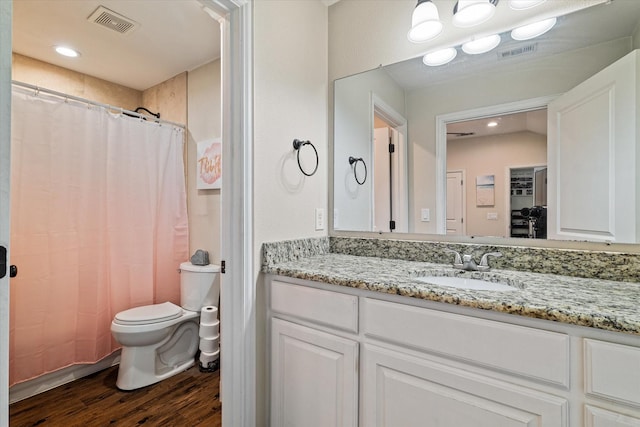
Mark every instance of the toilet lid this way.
pixel 149 314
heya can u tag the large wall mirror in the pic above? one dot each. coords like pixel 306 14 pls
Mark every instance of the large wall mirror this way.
pixel 534 140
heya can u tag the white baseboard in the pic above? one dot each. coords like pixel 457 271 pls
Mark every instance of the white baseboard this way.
pixel 55 379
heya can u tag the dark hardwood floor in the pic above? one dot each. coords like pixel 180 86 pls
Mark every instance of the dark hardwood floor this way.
pixel 188 399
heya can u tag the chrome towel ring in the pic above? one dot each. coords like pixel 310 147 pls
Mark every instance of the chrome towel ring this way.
pixel 297 145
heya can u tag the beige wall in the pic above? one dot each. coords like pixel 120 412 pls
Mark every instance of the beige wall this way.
pixel 493 155
pixel 49 76
pixel 204 118
pixel 169 98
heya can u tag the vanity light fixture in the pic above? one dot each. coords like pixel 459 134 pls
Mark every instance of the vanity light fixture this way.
pixel 524 4
pixel 481 45
pixel 67 51
pixel 425 22
pixel 440 57
pixel 468 13
pixel 531 31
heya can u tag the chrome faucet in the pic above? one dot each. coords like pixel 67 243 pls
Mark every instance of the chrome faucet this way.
pixel 466 262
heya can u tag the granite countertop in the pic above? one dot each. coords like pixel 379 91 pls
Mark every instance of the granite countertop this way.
pixel 602 304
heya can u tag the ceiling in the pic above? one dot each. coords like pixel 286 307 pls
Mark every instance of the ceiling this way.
pixel 533 121
pixel 171 36
pixel 596 24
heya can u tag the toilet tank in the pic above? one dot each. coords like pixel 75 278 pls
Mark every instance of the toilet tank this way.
pixel 199 286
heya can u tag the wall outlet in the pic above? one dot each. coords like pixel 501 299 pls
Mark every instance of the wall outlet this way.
pixel 425 215
pixel 492 216
pixel 319 219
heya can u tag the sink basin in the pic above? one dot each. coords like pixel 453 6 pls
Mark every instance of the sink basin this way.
pixel 466 283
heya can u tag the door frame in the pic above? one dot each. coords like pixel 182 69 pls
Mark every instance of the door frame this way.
pixel 396 121
pixel 507 186
pixel 460 116
pixel 238 371
pixel 6 14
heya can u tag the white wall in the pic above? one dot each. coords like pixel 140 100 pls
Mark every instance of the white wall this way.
pixel 290 101
pixel 203 118
pixel 352 102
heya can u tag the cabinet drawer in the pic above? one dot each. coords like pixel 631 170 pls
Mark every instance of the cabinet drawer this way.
pixel 540 355
pixel 612 371
pixel 316 305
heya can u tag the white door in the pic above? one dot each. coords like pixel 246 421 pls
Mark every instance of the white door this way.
pixel 314 382
pixel 381 180
pixel 5 173
pixel 594 124
pixel 455 203
pixel 403 390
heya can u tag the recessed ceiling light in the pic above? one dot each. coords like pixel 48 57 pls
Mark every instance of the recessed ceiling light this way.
pixel 482 45
pixel 531 31
pixel 440 57
pixel 67 51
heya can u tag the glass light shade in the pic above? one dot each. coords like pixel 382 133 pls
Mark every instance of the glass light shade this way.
pixel 473 12
pixel 67 51
pixel 524 4
pixel 531 31
pixel 440 57
pixel 482 45
pixel 425 23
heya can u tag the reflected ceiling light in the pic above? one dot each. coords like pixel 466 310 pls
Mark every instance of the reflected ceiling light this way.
pixel 467 13
pixel 425 22
pixel 492 124
pixel 531 31
pixel 524 4
pixel 67 51
pixel 482 45
pixel 440 57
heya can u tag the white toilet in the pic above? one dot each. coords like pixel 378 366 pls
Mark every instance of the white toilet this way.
pixel 161 340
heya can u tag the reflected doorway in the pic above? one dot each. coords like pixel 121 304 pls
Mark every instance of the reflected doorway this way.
pixel 499 150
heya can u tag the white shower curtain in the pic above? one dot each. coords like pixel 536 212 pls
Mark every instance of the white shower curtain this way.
pixel 98 225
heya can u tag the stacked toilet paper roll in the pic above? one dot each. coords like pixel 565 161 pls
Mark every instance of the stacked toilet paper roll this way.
pixel 209 338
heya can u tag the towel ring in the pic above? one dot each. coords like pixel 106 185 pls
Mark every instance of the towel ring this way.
pixel 297 145
pixel 354 161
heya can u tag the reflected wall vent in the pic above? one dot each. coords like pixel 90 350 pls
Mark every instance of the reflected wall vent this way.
pixel 112 20
pixel 517 51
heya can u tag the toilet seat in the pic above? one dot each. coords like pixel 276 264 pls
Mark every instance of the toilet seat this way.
pixel 149 314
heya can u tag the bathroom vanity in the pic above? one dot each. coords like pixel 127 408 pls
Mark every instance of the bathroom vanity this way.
pixel 359 341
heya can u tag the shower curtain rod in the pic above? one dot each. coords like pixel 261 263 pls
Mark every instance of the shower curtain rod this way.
pixel 96 104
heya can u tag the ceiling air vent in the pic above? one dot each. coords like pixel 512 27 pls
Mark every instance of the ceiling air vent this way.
pixel 112 20
pixel 517 51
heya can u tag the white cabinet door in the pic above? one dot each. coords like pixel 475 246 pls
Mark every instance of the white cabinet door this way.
pixel 403 390
pixel 314 378
pixel 592 157
pixel 597 417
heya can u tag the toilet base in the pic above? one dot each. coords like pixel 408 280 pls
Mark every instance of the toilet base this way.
pixel 141 366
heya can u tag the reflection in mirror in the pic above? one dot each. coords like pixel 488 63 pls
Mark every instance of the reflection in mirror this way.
pixel 583 159
pixel 510 148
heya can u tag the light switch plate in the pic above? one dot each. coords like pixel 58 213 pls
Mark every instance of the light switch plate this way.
pixel 492 216
pixel 425 215
pixel 319 219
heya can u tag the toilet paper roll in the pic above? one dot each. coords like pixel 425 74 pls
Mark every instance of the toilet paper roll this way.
pixel 209 330
pixel 210 345
pixel 206 358
pixel 208 314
